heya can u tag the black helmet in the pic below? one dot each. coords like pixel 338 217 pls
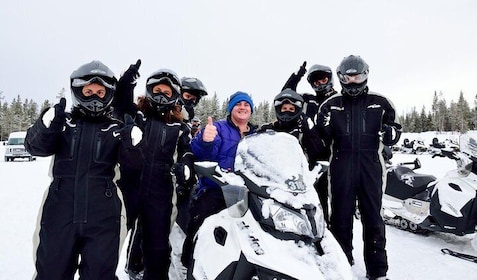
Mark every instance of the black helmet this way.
pixel 319 72
pixel 93 72
pixel 160 102
pixel 195 87
pixel 353 75
pixel 291 97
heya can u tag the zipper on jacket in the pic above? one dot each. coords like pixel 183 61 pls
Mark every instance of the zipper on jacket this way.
pixel 363 120
pixel 98 147
pixel 348 124
pixel 73 143
pixel 163 136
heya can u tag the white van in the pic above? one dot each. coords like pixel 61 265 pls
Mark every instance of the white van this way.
pixel 15 148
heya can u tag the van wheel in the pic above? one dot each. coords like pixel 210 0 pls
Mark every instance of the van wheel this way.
pixel 7 159
pixel 29 159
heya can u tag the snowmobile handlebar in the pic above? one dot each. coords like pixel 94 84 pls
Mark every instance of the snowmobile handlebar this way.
pixel 416 163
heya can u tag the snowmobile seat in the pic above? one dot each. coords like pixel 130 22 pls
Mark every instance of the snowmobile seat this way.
pixel 405 183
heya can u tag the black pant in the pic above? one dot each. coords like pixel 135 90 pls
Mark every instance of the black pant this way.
pixel 358 178
pixel 321 187
pixel 155 213
pixel 134 260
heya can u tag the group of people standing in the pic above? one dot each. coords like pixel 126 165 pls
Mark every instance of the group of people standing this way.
pixel 150 144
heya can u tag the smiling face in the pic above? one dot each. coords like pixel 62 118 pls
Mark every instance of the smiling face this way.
pixel 241 112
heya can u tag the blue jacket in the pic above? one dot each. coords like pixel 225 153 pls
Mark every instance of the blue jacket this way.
pixel 222 150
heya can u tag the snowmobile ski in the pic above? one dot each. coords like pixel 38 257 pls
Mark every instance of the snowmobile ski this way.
pixel 459 255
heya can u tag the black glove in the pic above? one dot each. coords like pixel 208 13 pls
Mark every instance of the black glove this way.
pixel 182 173
pixel 387 134
pixel 301 72
pixel 130 133
pixel 131 75
pixel 54 118
pixel 294 79
pixel 183 190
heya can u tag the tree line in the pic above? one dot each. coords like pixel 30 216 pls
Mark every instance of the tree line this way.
pixel 442 116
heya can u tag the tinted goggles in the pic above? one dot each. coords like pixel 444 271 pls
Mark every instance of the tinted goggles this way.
pixel 163 77
pixel 82 82
pixel 290 101
pixel 352 79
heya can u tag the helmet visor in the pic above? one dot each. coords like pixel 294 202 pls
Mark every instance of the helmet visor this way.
pixel 280 102
pixel 77 82
pixel 161 80
pixel 352 79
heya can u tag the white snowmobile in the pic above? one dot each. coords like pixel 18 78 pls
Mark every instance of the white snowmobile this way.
pixel 273 227
pixel 436 147
pixel 419 202
pixel 413 147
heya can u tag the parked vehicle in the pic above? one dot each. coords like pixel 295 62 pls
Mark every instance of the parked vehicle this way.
pixel 436 146
pixel 273 227
pixel 420 202
pixel 413 147
pixel 15 147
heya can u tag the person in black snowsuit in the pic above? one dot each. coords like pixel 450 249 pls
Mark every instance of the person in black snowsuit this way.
pixel 320 78
pixel 192 91
pixel 82 211
pixel 166 150
pixel 356 124
pixel 129 179
pixel 288 106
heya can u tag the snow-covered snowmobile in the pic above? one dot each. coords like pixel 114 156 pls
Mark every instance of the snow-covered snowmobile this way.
pixel 436 147
pixel 273 227
pixel 420 202
pixel 413 147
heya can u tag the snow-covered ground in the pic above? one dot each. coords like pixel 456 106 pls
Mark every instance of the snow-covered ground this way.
pixel 411 256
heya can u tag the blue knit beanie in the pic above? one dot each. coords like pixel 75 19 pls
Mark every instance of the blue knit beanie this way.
pixel 236 98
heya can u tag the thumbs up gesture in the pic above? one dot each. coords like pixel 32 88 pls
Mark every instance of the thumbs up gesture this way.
pixel 210 131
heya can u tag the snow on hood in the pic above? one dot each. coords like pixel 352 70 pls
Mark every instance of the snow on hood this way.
pixel 275 160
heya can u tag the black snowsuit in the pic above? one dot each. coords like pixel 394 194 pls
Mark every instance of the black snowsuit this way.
pixel 81 214
pixel 164 144
pixel 352 126
pixel 310 108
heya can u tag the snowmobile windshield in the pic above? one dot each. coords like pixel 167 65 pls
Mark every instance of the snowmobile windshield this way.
pixel 275 161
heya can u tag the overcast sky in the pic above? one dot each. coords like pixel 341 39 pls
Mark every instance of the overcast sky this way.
pixel 413 47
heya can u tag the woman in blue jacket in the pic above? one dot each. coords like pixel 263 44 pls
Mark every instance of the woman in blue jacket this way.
pixel 217 142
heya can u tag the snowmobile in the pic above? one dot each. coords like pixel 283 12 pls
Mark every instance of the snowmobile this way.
pixel 273 227
pixel 413 147
pixel 436 147
pixel 423 203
